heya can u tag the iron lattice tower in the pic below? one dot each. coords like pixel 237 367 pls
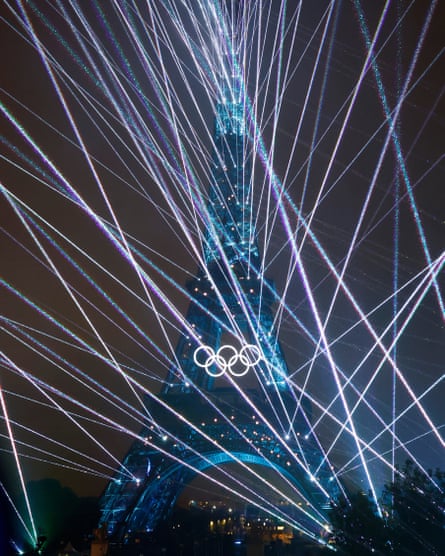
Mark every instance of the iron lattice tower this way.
pixel 231 304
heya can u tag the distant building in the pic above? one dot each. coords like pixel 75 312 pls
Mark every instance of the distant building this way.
pixel 99 545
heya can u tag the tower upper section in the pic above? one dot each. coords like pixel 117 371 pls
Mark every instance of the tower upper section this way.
pixel 231 234
pixel 230 115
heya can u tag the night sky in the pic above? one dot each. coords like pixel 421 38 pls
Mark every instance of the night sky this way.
pixel 125 127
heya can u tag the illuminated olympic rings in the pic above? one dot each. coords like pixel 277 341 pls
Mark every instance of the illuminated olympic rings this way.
pixel 226 358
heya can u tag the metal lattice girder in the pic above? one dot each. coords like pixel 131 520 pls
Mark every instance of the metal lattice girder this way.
pixel 190 406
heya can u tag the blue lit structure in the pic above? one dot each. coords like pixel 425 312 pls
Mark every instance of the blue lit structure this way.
pixel 232 303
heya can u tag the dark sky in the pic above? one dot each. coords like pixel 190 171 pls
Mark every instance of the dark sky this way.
pixel 108 289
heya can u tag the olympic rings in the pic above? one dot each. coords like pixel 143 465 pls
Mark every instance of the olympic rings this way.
pixel 225 359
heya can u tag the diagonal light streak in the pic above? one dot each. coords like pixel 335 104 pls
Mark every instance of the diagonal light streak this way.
pixel 58 460
pixel 365 206
pixel 278 192
pixel 356 306
pixel 98 183
pixel 83 378
pixel 40 385
pixel 429 279
pixel 31 536
pixel 35 383
pixel 148 76
pixel 325 409
pixel 70 293
pixel 148 393
pixel 394 135
pixel 67 447
pixel 389 427
pixel 17 463
pixel 292 266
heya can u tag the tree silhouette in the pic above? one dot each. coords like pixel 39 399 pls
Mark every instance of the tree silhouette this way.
pixel 416 507
pixel 357 528
pixel 60 514
pixel 413 520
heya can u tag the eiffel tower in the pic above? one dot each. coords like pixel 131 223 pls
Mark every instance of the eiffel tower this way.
pixel 226 398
